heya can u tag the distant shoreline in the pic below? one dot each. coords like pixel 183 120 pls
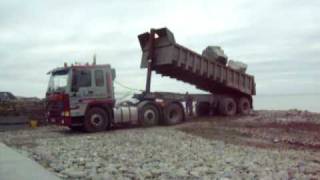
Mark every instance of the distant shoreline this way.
pixel 293 94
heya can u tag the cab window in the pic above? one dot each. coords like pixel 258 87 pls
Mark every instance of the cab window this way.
pixel 84 78
pixel 99 78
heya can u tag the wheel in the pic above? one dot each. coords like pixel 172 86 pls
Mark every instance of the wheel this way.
pixel 96 119
pixel 76 128
pixel 149 115
pixel 244 107
pixel 228 106
pixel 173 114
pixel 203 109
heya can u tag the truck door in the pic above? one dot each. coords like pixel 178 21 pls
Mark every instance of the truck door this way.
pixel 110 74
pixel 84 83
pixel 100 84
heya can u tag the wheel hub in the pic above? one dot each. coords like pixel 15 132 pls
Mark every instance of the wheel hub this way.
pixel 173 114
pixel 245 106
pixel 230 107
pixel 149 115
pixel 96 120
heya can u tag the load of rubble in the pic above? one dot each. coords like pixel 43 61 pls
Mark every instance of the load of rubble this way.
pixel 216 53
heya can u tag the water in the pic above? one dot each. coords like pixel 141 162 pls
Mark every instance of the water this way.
pixel 310 102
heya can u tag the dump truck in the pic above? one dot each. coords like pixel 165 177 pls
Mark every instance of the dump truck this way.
pixel 82 96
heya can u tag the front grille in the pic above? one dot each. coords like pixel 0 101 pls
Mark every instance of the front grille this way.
pixel 55 108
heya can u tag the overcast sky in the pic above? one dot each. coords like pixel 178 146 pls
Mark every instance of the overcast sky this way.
pixel 278 39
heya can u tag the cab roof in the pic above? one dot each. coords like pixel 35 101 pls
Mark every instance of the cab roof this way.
pixel 66 68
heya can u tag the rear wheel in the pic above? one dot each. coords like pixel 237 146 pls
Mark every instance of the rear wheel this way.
pixel 244 107
pixel 228 106
pixel 149 115
pixel 96 119
pixel 203 109
pixel 173 114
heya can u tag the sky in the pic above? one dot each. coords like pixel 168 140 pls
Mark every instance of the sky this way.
pixel 278 39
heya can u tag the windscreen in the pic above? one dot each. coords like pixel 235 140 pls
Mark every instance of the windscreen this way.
pixel 58 81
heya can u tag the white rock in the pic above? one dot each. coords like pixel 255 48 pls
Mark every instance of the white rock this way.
pixel 74 173
pixel 57 167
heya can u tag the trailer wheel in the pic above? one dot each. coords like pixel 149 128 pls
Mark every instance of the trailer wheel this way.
pixel 203 109
pixel 149 115
pixel 173 114
pixel 228 106
pixel 244 106
pixel 96 119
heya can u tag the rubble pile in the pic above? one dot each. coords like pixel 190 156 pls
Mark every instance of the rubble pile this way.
pixel 217 54
pixel 21 111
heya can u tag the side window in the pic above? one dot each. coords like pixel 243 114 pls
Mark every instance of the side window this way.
pixel 99 78
pixel 84 78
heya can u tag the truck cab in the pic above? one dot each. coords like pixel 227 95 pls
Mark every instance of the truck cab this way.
pixel 80 92
pixel 82 98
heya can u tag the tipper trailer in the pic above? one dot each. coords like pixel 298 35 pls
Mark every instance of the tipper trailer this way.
pixel 82 96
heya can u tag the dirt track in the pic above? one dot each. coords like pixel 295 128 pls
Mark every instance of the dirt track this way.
pixel 263 129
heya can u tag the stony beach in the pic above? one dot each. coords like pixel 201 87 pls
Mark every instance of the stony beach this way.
pixel 185 151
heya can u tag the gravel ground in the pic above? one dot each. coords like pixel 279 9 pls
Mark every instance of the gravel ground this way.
pixel 163 153
pixel 265 129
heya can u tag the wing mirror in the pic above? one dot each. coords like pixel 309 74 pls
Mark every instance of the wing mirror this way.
pixel 113 73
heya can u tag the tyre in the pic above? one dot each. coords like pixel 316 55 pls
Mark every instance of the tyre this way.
pixel 173 114
pixel 96 119
pixel 149 115
pixel 203 109
pixel 244 106
pixel 228 106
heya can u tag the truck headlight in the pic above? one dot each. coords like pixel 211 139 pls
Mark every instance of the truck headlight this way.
pixel 66 113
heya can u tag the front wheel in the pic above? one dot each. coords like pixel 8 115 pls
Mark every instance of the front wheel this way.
pixel 96 119
pixel 149 115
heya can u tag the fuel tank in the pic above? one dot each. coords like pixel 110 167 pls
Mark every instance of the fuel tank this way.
pixel 126 114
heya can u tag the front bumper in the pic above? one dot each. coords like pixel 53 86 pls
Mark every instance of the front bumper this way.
pixel 64 119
